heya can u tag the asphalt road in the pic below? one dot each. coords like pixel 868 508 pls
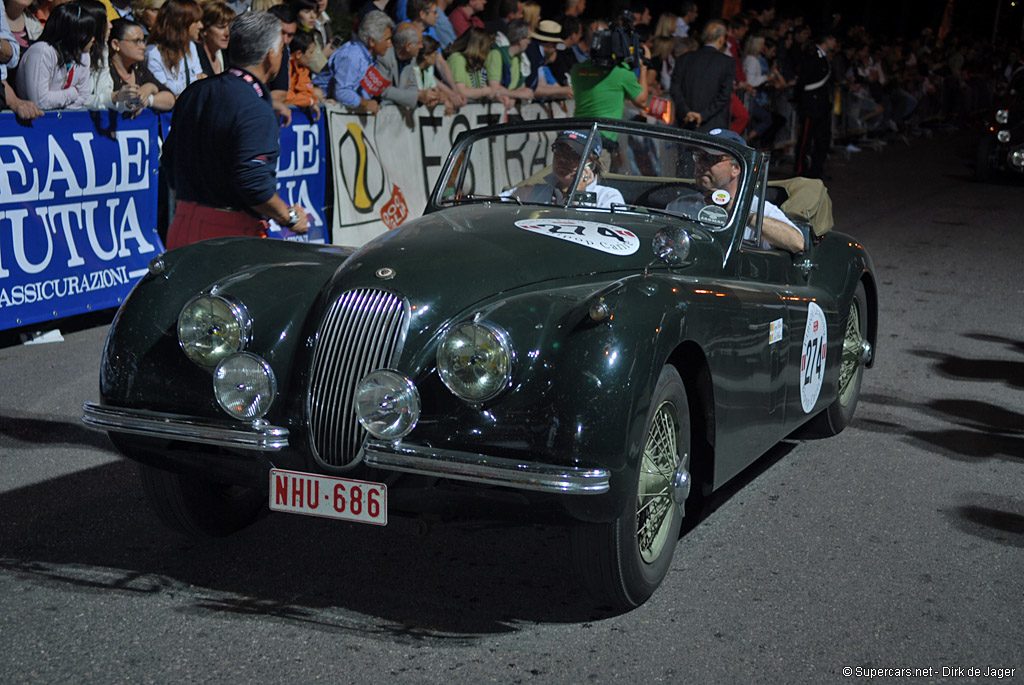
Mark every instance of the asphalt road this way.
pixel 898 544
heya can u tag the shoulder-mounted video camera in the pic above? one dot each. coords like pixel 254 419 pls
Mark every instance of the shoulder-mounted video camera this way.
pixel 619 44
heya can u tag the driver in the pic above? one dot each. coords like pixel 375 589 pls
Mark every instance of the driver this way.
pixel 718 171
pixel 567 149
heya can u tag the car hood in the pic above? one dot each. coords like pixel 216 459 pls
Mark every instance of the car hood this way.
pixel 486 249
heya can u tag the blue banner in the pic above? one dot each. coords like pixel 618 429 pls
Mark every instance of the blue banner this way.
pixel 78 198
pixel 78 206
pixel 302 176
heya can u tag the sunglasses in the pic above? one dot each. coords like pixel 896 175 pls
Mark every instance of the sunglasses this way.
pixel 705 159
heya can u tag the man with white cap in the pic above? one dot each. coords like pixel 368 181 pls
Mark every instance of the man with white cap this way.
pixel 567 151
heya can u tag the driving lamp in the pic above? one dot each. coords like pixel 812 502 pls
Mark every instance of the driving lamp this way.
pixel 475 361
pixel 211 327
pixel 387 404
pixel 1003 136
pixel 244 386
pixel 1002 116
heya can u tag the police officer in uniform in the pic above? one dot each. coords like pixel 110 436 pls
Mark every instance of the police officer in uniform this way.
pixel 221 154
pixel 814 109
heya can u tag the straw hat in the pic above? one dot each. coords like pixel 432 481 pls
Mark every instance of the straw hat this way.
pixel 549 31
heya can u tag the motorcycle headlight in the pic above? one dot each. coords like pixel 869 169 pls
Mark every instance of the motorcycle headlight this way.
pixel 1002 116
pixel 475 361
pixel 211 327
pixel 244 386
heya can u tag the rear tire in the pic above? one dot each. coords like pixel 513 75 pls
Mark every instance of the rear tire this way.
pixel 839 414
pixel 197 507
pixel 624 562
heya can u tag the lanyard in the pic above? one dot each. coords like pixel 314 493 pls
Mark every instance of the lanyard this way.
pixel 248 78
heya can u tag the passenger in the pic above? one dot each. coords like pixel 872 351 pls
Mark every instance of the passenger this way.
pixel 721 171
pixel 567 149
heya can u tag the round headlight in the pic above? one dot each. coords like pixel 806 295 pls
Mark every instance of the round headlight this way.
pixel 1003 136
pixel 244 386
pixel 1002 116
pixel 1017 158
pixel 387 404
pixel 210 327
pixel 475 361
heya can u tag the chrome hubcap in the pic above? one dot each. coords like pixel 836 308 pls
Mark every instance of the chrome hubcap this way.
pixel 663 485
pixel 856 351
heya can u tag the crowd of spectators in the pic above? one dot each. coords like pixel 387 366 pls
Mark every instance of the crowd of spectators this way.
pixel 128 55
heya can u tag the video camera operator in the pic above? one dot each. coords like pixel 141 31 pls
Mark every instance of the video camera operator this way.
pixel 602 84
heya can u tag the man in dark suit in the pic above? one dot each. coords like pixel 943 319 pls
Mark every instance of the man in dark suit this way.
pixel 702 82
pixel 814 109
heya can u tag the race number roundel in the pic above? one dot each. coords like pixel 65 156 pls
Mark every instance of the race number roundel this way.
pixel 592 234
pixel 812 357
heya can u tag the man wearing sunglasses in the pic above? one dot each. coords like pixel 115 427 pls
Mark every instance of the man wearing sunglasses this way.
pixel 717 175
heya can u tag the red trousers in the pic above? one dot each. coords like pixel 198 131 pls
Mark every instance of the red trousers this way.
pixel 194 222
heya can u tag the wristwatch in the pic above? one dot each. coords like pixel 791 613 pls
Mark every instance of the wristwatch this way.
pixel 293 218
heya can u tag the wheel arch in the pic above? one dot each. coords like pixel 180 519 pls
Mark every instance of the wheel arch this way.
pixel 871 290
pixel 689 360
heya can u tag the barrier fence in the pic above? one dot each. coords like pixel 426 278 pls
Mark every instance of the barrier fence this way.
pixel 79 194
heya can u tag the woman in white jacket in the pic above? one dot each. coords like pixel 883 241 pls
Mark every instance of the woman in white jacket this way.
pixel 171 54
pixel 54 72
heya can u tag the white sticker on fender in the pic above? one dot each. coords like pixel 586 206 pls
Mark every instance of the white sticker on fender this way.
pixel 775 333
pixel 812 357
pixel 597 236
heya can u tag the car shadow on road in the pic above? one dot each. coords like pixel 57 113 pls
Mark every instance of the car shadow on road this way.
pixel 414 580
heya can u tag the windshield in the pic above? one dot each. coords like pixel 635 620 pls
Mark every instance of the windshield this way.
pixel 617 171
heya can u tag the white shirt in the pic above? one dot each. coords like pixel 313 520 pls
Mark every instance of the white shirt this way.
pixel 606 195
pixel 187 72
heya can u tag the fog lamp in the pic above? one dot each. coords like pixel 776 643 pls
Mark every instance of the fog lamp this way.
pixel 244 386
pixel 387 404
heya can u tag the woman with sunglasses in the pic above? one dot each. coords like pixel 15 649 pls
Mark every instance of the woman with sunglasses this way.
pixel 54 72
pixel 128 68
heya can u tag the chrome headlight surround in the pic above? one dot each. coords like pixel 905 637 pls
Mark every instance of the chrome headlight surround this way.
pixel 212 327
pixel 244 386
pixel 1002 116
pixel 475 360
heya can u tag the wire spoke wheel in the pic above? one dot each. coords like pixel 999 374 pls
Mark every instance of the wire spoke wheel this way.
pixel 654 492
pixel 851 359
pixel 624 561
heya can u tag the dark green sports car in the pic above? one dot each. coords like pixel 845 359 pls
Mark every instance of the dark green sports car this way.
pixel 590 319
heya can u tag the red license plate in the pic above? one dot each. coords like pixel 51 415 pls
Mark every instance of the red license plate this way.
pixel 336 498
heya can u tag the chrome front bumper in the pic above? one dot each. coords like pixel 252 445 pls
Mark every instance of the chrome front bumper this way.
pixel 263 437
pixel 479 468
pixel 258 435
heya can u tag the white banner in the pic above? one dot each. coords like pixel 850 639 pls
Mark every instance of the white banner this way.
pixel 384 166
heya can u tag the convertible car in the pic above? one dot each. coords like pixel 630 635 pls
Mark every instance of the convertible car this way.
pixel 584 321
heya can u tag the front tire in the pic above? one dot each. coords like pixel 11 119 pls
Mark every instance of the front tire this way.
pixel 985 160
pixel 624 562
pixel 198 507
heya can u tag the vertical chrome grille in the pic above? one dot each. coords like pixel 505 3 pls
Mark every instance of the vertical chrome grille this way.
pixel 361 332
